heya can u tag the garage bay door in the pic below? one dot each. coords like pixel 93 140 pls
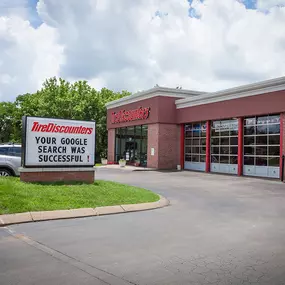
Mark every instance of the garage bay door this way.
pixel 195 146
pixel 262 146
pixel 224 146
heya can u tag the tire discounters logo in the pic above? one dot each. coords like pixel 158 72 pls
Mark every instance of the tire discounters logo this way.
pixel 58 143
pixel 54 128
pixel 132 115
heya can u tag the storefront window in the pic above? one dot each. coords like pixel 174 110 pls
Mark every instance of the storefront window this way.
pixel 195 142
pixel 131 144
pixel 224 141
pixel 262 141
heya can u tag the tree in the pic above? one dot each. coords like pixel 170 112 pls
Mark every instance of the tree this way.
pixel 61 99
pixel 7 123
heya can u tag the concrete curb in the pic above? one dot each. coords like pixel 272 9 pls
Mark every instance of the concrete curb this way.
pixel 28 217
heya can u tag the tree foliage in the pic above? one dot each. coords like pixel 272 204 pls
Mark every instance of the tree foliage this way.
pixel 59 99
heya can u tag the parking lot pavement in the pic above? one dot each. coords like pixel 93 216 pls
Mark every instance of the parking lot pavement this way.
pixel 218 230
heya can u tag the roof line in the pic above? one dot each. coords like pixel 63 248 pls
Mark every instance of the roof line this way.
pixel 153 92
pixel 270 85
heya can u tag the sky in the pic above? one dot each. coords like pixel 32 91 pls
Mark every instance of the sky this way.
pixel 204 45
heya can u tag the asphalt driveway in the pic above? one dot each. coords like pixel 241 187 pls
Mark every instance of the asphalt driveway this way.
pixel 218 230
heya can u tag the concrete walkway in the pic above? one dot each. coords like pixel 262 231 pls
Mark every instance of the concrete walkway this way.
pixel 125 168
pixel 39 216
pixel 218 230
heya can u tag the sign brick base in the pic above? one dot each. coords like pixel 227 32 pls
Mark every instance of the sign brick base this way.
pixel 78 174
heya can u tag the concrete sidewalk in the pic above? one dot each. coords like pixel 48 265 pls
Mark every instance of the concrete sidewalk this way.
pixel 126 168
pixel 27 217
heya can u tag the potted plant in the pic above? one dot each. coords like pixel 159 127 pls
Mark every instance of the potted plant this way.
pixel 103 155
pixel 137 162
pixel 122 162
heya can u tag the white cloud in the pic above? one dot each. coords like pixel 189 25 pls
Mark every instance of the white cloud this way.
pixel 268 4
pixel 123 45
pixel 15 7
pixel 27 56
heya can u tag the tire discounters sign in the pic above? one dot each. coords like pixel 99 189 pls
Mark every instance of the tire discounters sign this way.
pixel 49 142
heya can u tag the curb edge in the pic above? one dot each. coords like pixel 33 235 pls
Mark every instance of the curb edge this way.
pixel 30 217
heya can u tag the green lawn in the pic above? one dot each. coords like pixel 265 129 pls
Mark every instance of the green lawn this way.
pixel 17 197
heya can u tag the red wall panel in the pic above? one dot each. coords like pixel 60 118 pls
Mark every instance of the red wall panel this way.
pixel 269 103
pixel 162 110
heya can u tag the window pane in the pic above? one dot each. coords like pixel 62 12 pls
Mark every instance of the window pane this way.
pixel 274 161
pixel 274 129
pixel 195 142
pixel 18 151
pixel 117 147
pixel 261 140
pixel 274 119
pixel 262 120
pixel 248 140
pixel 225 141
pixel 196 132
pixel 188 134
pixel 188 127
pixel 202 149
pixel 195 158
pixel 261 130
pixel 130 131
pixel 234 140
pixel 261 161
pixel 188 149
pixel 216 125
pixel 214 158
pixel 234 150
pixel 202 141
pixel 215 150
pixel 248 160
pixel 3 150
pixel 249 150
pixel 225 133
pixel 234 132
pixel 214 133
pixel 215 141
pixel 202 158
pixel 144 131
pixel 250 121
pixel 203 129
pixel 195 149
pixel 233 159
pixel 261 150
pixel 188 142
pixel 274 139
pixel 274 150
pixel 249 130
pixel 224 159
pixel 224 150
pixel 187 157
pixel 138 132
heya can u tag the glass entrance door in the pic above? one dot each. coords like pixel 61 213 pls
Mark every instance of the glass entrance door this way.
pixel 131 145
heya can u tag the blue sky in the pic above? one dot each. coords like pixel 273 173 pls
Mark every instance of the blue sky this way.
pixel 33 15
pixel 249 4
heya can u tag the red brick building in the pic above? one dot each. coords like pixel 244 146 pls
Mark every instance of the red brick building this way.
pixel 238 131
